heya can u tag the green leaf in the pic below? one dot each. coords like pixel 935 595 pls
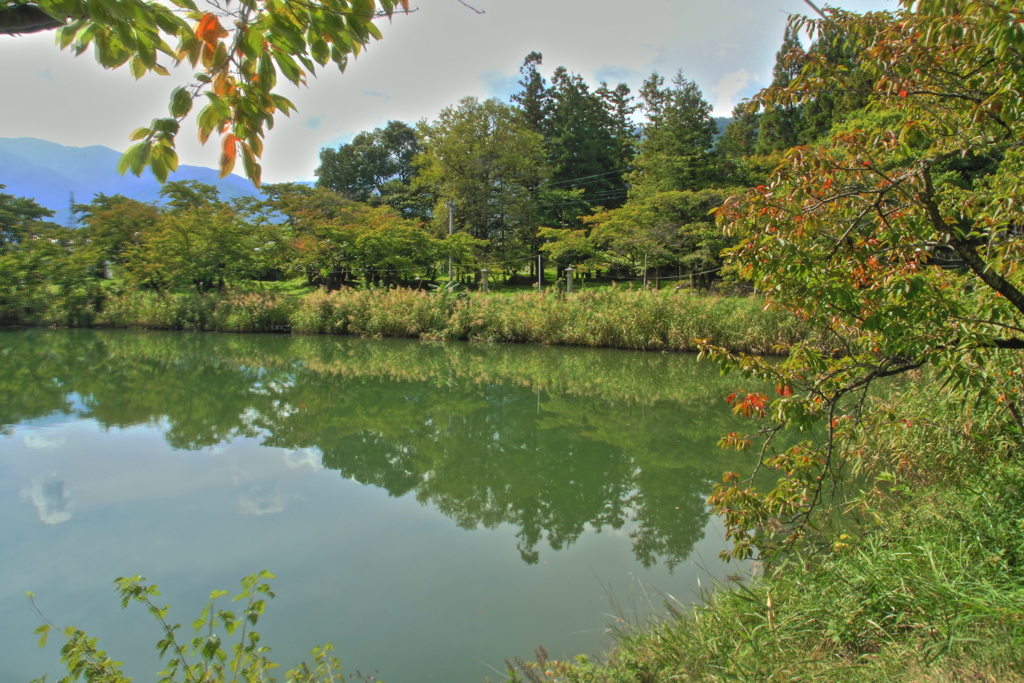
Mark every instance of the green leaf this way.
pixel 321 51
pixel 44 632
pixel 181 102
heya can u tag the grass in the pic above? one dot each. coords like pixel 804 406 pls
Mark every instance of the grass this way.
pixel 660 321
pixel 619 317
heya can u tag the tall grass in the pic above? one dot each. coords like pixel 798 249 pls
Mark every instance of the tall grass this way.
pixel 232 312
pixel 625 319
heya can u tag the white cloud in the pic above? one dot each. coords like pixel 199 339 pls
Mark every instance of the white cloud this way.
pixel 43 440
pixel 51 499
pixel 726 92
pixel 262 500
pixel 303 456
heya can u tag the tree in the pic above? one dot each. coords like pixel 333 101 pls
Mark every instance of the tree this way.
pixel 676 150
pixel 898 238
pixel 788 124
pixel 779 127
pixel 619 104
pixel 534 99
pixel 238 51
pixel 583 149
pixel 740 137
pixel 20 219
pixel 376 168
pixel 663 229
pixel 114 227
pixel 198 241
pixel 484 157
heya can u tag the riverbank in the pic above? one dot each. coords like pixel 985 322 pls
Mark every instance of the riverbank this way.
pixel 623 318
pixel 925 582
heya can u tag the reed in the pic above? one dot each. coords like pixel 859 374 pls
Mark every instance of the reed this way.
pixel 622 318
pixel 653 321
pixel 230 312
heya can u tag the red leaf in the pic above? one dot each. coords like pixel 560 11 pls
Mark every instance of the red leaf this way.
pixel 209 29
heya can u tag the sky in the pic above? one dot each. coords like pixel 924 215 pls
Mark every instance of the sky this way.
pixel 428 60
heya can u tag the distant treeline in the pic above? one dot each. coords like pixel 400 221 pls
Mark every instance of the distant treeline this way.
pixel 562 171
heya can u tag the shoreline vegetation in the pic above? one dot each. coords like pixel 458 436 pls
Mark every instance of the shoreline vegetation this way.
pixel 617 318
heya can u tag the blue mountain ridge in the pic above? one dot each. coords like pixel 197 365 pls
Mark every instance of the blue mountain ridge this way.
pixel 49 173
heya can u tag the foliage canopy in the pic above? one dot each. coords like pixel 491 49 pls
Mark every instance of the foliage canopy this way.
pixel 898 236
pixel 237 48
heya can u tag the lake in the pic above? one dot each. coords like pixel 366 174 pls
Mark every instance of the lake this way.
pixel 428 508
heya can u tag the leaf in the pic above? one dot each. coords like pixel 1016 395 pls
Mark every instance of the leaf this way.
pixel 137 67
pixel 253 171
pixel 181 103
pixel 209 29
pixel 229 151
pixel 44 632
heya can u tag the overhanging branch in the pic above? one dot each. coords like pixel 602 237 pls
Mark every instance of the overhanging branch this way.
pixel 26 19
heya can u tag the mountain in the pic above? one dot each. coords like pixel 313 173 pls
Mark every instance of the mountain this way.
pixel 49 173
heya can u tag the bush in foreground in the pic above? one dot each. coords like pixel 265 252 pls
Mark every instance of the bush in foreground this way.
pixel 205 657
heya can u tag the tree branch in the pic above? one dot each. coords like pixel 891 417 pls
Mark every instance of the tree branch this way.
pixel 26 19
pixel 965 250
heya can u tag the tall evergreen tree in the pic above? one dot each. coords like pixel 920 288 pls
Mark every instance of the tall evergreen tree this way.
pixel 780 127
pixel 676 152
pixel 740 137
pixel 583 151
pixel 619 104
pixel 832 105
pixel 535 98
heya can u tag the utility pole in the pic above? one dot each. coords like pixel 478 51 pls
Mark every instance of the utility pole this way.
pixel 540 274
pixel 451 228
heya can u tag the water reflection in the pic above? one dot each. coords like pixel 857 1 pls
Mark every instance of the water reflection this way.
pixel 51 500
pixel 552 441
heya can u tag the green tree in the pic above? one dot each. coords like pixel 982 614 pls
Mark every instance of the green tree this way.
pixel 664 229
pixel 740 137
pixel 375 167
pixel 199 242
pixel 676 152
pixel 619 104
pixel 113 228
pixel 583 149
pixel 779 127
pixel 535 98
pixel 851 234
pixel 238 52
pixel 32 253
pixel 484 157
pixel 20 220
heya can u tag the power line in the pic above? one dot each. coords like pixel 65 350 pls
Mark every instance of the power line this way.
pixel 598 175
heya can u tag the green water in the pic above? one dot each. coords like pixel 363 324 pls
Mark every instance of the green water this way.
pixel 431 509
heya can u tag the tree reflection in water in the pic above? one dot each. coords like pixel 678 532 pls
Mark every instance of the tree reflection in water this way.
pixel 550 440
